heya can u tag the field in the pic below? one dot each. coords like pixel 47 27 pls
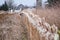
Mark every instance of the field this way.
pixel 51 15
pixel 16 26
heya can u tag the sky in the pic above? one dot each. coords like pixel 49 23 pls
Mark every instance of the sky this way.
pixel 1 2
pixel 24 2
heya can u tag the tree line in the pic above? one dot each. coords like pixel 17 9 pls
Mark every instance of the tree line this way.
pixel 4 7
pixel 54 2
pixel 7 5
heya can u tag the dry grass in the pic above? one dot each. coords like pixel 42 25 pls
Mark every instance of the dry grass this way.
pixel 52 15
pixel 16 27
pixel 33 34
pixel 11 28
pixel 33 24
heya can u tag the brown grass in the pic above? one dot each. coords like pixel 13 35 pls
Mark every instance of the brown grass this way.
pixel 11 28
pixel 16 27
pixel 33 34
pixel 52 15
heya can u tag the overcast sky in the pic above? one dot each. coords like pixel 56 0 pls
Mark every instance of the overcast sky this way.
pixel 24 2
pixel 1 2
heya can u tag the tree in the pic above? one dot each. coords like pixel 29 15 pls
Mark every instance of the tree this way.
pixel 53 2
pixel 4 7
